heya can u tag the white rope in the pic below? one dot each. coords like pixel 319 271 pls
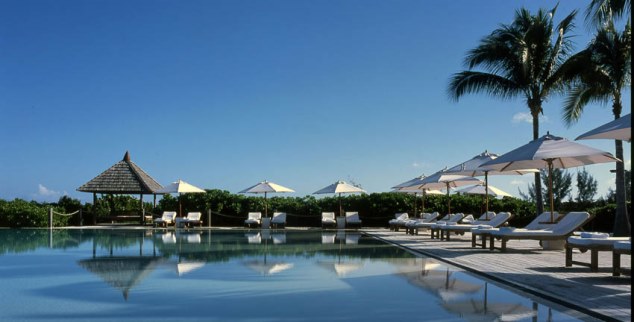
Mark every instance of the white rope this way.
pixel 67 215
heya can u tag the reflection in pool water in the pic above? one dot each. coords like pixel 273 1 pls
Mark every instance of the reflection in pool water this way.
pixel 168 275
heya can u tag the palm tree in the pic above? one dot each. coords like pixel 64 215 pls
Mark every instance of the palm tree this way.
pixel 599 73
pixel 519 60
pixel 600 12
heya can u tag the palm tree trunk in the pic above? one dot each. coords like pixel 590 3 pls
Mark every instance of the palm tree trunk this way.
pixel 621 219
pixel 539 199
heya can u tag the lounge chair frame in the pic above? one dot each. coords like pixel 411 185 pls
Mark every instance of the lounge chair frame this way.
pixel 616 261
pixel 537 223
pixel 594 254
pixel 327 224
pixel 540 237
pixel 445 232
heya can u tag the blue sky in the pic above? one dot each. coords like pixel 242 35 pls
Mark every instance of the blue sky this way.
pixel 223 94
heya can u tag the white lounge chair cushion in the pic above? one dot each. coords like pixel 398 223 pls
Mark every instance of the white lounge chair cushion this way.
pixel 279 218
pixel 589 241
pixel 593 235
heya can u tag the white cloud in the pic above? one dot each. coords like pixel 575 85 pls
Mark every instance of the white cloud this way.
pixel 46 194
pixel 527 118
pixel 628 164
pixel 517 182
pixel 44 191
pixel 417 164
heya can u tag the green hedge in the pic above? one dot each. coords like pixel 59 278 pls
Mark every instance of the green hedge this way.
pixel 230 209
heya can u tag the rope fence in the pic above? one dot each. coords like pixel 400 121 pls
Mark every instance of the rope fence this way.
pixel 210 212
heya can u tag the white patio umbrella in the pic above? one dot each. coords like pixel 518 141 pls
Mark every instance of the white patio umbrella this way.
pixel 480 189
pixel 266 187
pixel 549 152
pixel 180 187
pixel 472 168
pixel 409 186
pixel 619 129
pixel 339 187
pixel 444 180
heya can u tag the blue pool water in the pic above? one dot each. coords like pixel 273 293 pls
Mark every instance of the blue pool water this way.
pixel 241 275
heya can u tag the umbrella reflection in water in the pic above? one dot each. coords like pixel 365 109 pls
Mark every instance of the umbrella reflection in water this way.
pixel 265 267
pixel 481 310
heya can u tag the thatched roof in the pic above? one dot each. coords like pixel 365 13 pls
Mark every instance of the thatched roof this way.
pixel 125 177
pixel 121 272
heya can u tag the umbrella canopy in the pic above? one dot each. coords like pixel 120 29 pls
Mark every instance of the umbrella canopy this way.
pixel 409 186
pixel 340 187
pixel 482 190
pixel 444 180
pixel 265 187
pixel 473 168
pixel 180 187
pixel 549 152
pixel 619 129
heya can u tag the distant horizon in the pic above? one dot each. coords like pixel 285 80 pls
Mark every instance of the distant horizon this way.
pixel 226 94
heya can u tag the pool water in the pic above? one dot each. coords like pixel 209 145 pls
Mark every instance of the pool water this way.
pixel 241 275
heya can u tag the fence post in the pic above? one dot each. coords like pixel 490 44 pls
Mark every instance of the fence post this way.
pixel 209 218
pixel 50 217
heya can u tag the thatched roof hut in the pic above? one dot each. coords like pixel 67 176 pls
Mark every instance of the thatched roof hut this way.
pixel 125 177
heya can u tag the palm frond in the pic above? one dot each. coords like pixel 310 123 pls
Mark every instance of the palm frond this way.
pixel 578 98
pixel 468 82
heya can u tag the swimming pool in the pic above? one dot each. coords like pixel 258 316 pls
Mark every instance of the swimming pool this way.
pixel 241 275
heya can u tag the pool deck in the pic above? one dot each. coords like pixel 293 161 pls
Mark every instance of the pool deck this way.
pixel 536 271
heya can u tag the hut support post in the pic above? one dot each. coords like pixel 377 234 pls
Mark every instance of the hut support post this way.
pixel 142 219
pixel 50 217
pixel 94 204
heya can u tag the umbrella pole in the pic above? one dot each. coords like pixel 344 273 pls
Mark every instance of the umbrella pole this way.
pixel 415 203
pixel 550 189
pixel 340 209
pixel 448 200
pixel 486 194
pixel 265 206
pixel 423 209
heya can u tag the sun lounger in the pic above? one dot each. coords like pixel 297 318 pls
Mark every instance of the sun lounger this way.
pixel 411 225
pixel 414 227
pixel 279 219
pixel 619 248
pixel 447 220
pixel 193 218
pixel 496 221
pixel 595 243
pixel 559 232
pixel 540 222
pixel 352 219
pixel 253 219
pixel 399 221
pixel 166 219
pixel 328 219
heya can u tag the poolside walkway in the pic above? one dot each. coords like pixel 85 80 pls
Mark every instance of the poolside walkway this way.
pixel 527 266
